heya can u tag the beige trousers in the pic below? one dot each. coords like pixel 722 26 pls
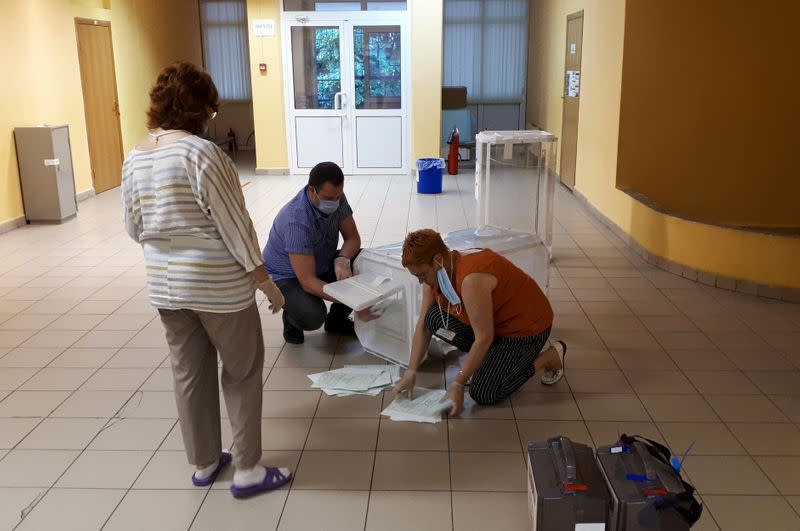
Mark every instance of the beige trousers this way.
pixel 194 340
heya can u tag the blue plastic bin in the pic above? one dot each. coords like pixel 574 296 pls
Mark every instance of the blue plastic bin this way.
pixel 429 175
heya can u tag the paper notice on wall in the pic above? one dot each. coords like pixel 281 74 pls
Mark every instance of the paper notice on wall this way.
pixel 573 48
pixel 264 27
pixel 52 162
pixel 573 83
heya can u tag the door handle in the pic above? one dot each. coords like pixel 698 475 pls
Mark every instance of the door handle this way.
pixel 338 102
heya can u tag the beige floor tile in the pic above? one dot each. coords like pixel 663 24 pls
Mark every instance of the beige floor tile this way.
pixel 478 511
pixel 291 379
pixel 499 410
pixel 706 438
pixel 763 360
pixel 746 513
pixel 794 501
pixel 150 405
pixel 164 510
pixel 701 360
pixel 30 357
pixel 744 408
pixel 130 321
pixel 13 377
pixel 616 323
pixel 106 469
pixel 732 475
pixel 777 383
pixel 116 380
pixel 540 430
pixel 159 380
pixel 605 308
pixel 768 439
pixel 14 338
pixel 597 381
pixel 608 433
pixel 88 307
pixel 13 501
pixel 34 468
pixel 722 383
pixel 83 358
pixel 658 306
pixel 220 510
pixel 668 323
pixel 105 339
pixel 334 471
pixel 54 339
pixel 31 403
pixel 545 406
pixel 483 436
pixel 166 470
pixel 611 407
pixel 76 322
pixel 57 379
pixel 50 305
pixel 334 510
pixel 349 406
pixel 133 434
pixel 643 359
pixel 492 472
pixel 420 471
pixel 62 434
pixel 789 405
pixel 590 359
pixel 343 434
pixel 738 340
pixel 137 358
pixel 73 510
pixel 13 431
pixel 659 382
pixel 284 434
pixel 28 321
pixel 684 340
pixel 679 408
pixel 92 404
pixel 291 404
pixel 299 356
pixel 629 339
pixel 428 511
pixel 783 472
pixel 403 436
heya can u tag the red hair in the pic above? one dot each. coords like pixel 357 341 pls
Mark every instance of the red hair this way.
pixel 421 246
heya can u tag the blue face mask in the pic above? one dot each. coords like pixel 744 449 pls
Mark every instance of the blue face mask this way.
pixel 327 206
pixel 446 287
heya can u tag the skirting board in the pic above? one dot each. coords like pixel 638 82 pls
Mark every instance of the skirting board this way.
pixel 272 171
pixel 86 194
pixel 702 277
pixel 11 224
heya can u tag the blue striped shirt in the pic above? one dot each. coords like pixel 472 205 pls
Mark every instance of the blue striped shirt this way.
pixel 300 228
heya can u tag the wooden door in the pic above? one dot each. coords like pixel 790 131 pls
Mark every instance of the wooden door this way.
pixel 100 102
pixel 572 98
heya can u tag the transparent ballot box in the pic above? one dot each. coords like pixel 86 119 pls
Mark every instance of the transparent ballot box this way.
pixel 514 185
pixel 381 283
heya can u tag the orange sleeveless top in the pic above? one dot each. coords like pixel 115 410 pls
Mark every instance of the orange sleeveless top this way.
pixel 520 307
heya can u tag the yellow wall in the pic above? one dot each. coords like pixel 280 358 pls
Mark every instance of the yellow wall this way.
pixel 691 72
pixel 426 79
pixel 44 84
pixel 268 98
pixel 756 257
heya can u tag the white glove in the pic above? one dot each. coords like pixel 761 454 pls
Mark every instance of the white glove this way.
pixel 342 268
pixel 273 294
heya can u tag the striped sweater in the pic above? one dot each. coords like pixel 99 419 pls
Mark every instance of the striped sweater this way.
pixel 183 203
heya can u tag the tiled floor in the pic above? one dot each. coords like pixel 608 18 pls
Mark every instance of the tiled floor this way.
pixel 88 435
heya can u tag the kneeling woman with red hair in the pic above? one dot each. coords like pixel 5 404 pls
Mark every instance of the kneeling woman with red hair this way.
pixel 482 304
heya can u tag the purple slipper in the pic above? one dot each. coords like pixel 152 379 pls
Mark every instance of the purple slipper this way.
pixel 224 460
pixel 273 480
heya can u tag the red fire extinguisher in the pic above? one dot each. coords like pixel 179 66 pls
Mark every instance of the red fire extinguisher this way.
pixel 452 155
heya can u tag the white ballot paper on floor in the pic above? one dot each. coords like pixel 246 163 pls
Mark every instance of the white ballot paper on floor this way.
pixel 368 380
pixel 426 406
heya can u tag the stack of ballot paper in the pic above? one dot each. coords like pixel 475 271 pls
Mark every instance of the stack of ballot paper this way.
pixel 350 380
pixel 426 406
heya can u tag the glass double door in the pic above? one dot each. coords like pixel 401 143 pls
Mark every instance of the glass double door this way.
pixel 347 92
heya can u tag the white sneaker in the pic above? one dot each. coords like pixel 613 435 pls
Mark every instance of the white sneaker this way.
pixel 553 377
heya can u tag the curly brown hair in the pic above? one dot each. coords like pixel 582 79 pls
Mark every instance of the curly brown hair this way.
pixel 421 246
pixel 183 97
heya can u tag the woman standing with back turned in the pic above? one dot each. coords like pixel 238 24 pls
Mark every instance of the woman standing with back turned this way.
pixel 183 203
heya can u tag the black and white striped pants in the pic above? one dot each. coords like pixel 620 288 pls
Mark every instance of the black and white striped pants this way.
pixel 508 363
